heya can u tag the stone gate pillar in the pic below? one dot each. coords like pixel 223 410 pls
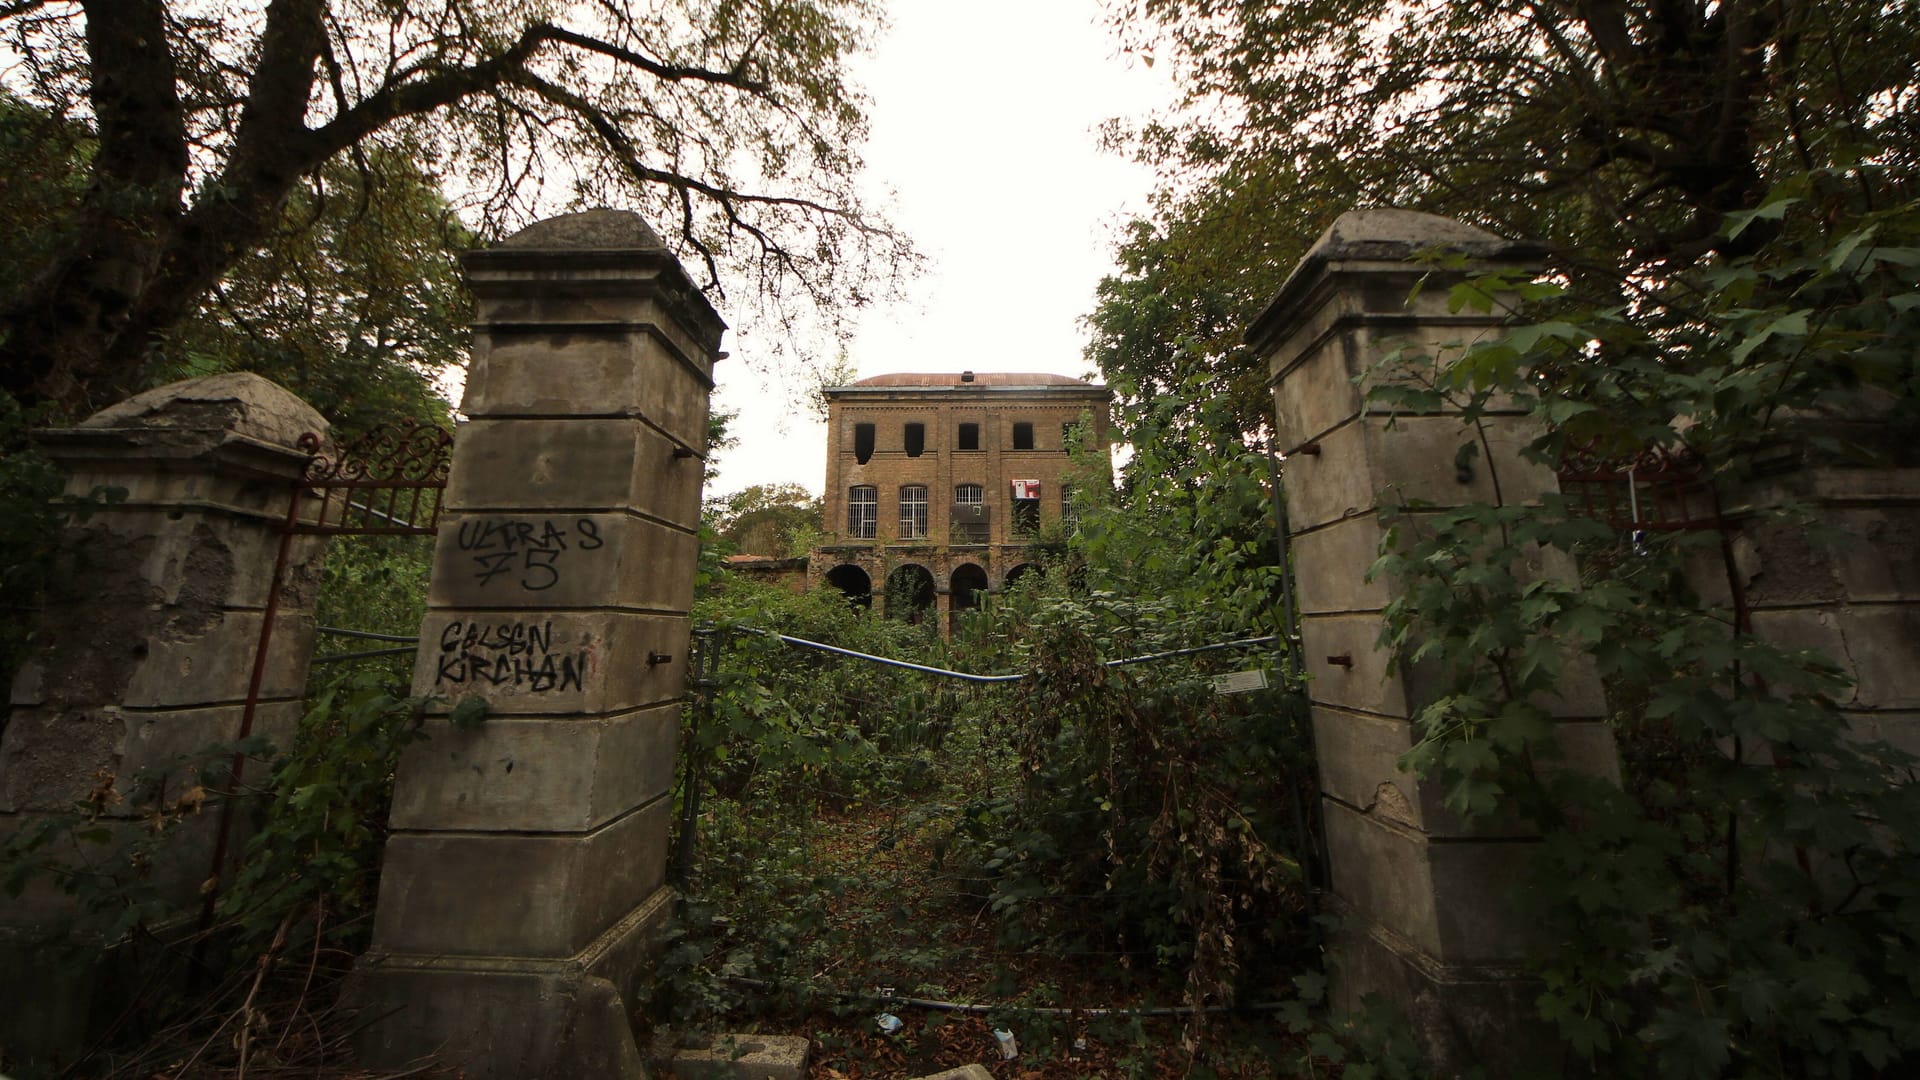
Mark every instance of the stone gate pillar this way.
pixel 526 871
pixel 144 652
pixel 1424 895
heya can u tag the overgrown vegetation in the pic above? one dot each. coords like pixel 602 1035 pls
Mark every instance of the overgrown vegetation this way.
pixel 1742 903
pixel 730 125
pixel 254 980
pixel 1618 134
pixel 1088 836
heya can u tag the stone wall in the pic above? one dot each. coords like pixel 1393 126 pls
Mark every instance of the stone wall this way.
pixel 1424 898
pixel 1840 576
pixel 144 651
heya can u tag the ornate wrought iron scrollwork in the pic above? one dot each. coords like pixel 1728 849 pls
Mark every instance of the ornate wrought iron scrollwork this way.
pixel 1656 488
pixel 386 481
pixel 404 452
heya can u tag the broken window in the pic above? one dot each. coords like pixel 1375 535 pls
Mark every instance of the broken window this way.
pixel 913 512
pixel 969 514
pixel 915 438
pixel 862 442
pixel 1026 516
pixel 1067 440
pixel 969 437
pixel 1023 436
pixel 1026 507
pixel 863 511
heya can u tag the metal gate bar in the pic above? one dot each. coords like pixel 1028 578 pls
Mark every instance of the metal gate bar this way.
pixel 394 475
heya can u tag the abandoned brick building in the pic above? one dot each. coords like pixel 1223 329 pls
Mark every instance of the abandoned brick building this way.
pixel 939 487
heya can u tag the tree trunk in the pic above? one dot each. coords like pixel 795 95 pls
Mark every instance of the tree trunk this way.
pixel 68 317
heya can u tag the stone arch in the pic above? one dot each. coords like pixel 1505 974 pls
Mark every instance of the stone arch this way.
pixel 910 593
pixel 853 583
pixel 968 588
pixel 1019 573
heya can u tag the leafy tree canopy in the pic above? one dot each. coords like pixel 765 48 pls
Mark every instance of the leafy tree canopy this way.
pixel 727 122
pixel 356 303
pixel 1620 132
pixel 766 519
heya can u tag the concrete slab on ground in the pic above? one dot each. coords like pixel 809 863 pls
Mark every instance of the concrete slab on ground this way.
pixel 964 1072
pixel 744 1057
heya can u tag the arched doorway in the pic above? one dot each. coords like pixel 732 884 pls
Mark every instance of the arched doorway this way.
pixel 853 583
pixel 910 593
pixel 968 586
pixel 1020 573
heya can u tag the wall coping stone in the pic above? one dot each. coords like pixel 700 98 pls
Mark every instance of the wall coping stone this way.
pixel 592 253
pixel 236 423
pixel 241 401
pixel 1378 236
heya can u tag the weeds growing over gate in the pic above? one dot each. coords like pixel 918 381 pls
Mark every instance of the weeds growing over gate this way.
pixel 1084 837
pixel 1744 901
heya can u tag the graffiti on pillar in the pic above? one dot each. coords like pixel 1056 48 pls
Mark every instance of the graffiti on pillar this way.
pixel 515 653
pixel 528 552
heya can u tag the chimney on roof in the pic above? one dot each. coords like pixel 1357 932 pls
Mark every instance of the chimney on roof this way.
pixel 966 376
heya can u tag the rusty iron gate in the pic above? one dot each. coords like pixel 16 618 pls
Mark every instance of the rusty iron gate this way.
pixel 387 482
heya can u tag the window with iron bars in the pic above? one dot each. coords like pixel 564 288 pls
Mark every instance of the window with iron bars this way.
pixel 913 512
pixel 970 525
pixel 863 511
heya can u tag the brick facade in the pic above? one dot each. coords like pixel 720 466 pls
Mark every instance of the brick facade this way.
pixel 996 405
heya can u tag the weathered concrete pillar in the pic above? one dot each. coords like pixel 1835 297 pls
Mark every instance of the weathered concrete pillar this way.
pixel 526 872
pixel 1425 895
pixel 145 647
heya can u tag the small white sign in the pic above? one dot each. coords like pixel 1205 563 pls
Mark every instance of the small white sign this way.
pixel 1240 682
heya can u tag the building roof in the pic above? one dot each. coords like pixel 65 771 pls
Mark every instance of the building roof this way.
pixel 983 378
pixel 966 379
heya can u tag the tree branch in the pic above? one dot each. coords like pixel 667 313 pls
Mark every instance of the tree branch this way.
pixel 290 46
pixel 734 77
pixel 136 103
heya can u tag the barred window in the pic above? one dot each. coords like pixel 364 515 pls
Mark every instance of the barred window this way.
pixel 863 511
pixel 913 512
pixel 969 514
pixel 1069 519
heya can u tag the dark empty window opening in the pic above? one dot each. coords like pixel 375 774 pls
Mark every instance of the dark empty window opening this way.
pixel 1023 436
pixel 1026 516
pixel 916 439
pixel 969 437
pixel 862 442
pixel 1067 440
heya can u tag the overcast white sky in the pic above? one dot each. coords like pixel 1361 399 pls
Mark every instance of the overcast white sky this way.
pixel 983 125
